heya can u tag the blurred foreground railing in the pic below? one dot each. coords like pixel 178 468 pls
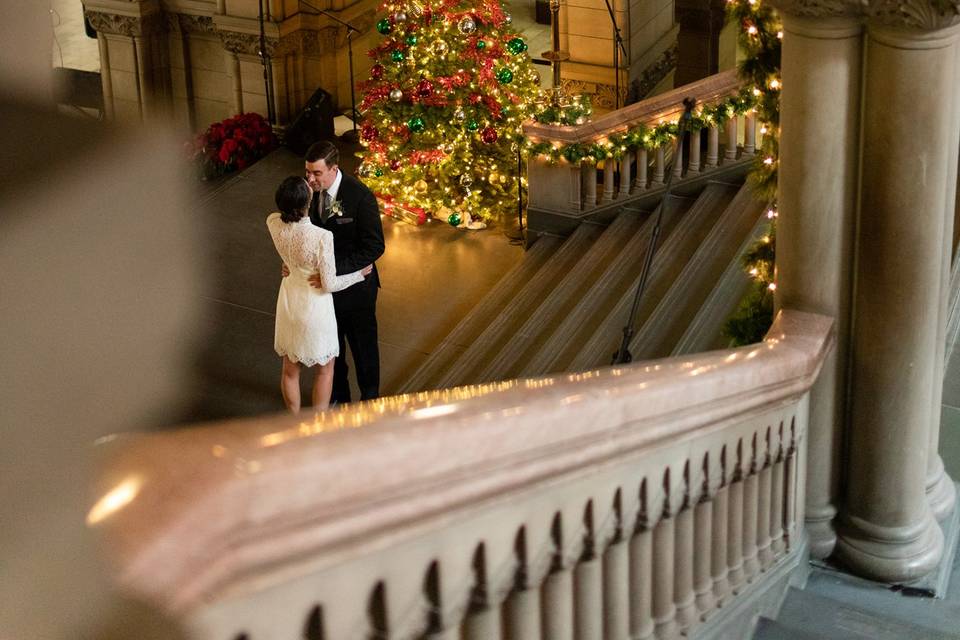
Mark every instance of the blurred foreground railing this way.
pixel 630 502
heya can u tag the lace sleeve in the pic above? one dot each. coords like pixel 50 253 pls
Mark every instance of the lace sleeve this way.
pixel 327 268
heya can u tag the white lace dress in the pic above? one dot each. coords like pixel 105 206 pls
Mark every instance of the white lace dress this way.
pixel 306 329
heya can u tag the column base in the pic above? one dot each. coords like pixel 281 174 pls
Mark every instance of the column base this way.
pixel 890 554
pixel 941 492
pixel 821 533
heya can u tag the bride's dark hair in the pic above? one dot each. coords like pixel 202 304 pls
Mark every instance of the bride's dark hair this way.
pixel 293 198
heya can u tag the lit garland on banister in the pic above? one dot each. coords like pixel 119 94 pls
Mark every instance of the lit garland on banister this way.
pixel 760 37
pixel 616 145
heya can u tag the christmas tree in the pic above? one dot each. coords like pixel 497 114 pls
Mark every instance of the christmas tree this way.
pixel 450 86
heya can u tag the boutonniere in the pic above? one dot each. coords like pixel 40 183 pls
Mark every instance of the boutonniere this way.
pixel 336 208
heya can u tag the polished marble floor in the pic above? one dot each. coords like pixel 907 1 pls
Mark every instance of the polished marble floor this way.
pixel 432 275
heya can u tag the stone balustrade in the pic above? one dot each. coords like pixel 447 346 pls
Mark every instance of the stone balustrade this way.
pixel 631 502
pixel 580 188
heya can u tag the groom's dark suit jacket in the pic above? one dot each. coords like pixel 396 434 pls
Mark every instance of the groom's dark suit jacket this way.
pixel 357 241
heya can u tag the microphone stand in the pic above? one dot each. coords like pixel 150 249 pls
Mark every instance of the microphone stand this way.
pixel 618 46
pixel 267 71
pixel 350 31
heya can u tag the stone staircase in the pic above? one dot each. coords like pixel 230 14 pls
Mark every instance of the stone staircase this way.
pixel 563 307
pixel 835 606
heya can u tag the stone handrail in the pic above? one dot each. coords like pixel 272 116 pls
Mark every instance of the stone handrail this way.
pixel 581 188
pixel 423 513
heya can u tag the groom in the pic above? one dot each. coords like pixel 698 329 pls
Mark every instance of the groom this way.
pixel 346 207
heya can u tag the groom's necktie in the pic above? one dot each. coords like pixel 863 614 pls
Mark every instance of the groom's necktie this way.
pixel 324 205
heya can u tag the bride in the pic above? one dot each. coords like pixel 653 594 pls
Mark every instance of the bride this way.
pixel 306 329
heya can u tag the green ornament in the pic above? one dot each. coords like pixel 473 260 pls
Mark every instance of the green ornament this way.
pixel 384 26
pixel 378 172
pixel 397 55
pixel 416 124
pixel 411 39
pixel 481 44
pixel 454 219
pixel 473 125
pixel 504 75
pixel 516 46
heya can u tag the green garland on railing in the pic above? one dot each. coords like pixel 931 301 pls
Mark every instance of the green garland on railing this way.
pixel 577 112
pixel 760 37
pixel 616 145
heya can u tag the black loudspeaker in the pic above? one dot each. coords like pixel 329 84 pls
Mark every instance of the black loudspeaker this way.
pixel 313 123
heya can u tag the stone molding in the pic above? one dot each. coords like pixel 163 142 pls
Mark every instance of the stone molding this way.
pixel 189 23
pixel 924 15
pixel 245 43
pixel 124 25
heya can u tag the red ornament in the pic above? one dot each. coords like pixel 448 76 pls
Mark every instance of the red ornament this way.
pixel 369 132
pixel 488 135
pixel 376 71
pixel 425 88
pixel 475 98
pixel 394 165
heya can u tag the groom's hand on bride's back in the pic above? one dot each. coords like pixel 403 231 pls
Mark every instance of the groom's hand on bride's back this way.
pixel 317 283
pixel 284 271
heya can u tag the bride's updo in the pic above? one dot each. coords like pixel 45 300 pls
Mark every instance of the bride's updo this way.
pixel 293 198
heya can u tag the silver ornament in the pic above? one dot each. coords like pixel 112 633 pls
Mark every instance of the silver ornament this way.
pixel 459 114
pixel 467 26
pixel 396 95
pixel 399 16
pixel 507 18
pixel 466 180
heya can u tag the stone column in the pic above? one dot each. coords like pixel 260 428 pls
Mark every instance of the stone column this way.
pixel 888 531
pixel 106 82
pixel 819 115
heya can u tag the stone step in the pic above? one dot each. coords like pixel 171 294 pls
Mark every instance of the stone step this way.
pixel 657 337
pixel 828 618
pixel 603 293
pixel 467 365
pixel 767 629
pixel 905 605
pixel 705 331
pixel 671 256
pixel 510 357
pixel 489 307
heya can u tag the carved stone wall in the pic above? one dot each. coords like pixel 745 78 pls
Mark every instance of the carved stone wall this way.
pixel 161 59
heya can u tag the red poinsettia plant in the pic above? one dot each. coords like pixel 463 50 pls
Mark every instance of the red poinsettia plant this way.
pixel 232 144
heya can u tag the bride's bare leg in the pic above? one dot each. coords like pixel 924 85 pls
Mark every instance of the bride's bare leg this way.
pixel 323 386
pixel 290 384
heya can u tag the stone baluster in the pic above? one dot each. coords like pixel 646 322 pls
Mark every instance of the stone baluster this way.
pixel 683 595
pixel 703 544
pixel 735 526
pixel 616 591
pixel 589 172
pixel 776 498
pixel 659 170
pixel 730 151
pixel 608 179
pixel 719 569
pixel 521 611
pixel 790 495
pixel 558 605
pixel 750 133
pixel 625 174
pixel 641 573
pixel 558 591
pixel 820 109
pixel 664 609
pixel 482 623
pixel 693 167
pixel 678 162
pixel 640 184
pixel 764 552
pixel 713 147
pixel 588 584
pixel 751 499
